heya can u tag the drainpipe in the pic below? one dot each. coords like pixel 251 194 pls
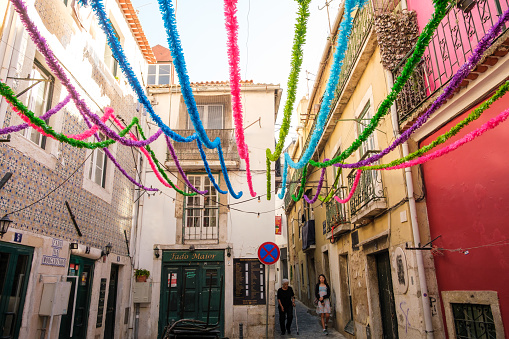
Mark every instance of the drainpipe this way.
pixel 413 217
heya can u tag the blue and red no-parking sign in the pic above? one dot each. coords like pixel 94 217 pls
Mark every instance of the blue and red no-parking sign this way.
pixel 268 253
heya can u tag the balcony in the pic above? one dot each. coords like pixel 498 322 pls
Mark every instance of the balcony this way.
pixel 189 155
pixel 292 185
pixel 369 199
pixel 451 45
pixel 336 215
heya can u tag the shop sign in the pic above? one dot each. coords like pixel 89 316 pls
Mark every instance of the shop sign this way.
pixel 187 256
pixel 55 259
pixel 278 225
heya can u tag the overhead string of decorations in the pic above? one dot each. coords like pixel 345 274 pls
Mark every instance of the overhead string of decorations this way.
pixel 457 78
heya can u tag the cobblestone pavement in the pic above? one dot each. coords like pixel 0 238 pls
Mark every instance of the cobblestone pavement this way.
pixel 310 326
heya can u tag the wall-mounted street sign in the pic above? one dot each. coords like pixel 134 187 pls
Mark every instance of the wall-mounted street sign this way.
pixel 268 253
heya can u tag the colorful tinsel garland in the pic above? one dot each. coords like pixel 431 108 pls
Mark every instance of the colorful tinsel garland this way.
pixel 232 26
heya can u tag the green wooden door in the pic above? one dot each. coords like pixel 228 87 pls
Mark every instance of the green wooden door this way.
pixel 15 264
pixel 83 269
pixel 189 285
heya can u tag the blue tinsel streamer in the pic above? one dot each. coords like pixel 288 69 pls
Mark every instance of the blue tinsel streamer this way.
pixel 179 63
pixel 344 33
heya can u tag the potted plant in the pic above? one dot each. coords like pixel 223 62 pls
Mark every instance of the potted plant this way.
pixel 141 275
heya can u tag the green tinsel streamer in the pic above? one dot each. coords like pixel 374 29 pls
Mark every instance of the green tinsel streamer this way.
pixel 293 79
pixel 8 94
pixel 160 169
pixel 422 43
pixel 476 114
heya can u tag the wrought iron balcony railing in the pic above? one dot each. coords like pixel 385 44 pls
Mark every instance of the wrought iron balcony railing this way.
pixel 361 28
pixel 451 45
pixel 370 187
pixel 189 152
pixel 292 185
pixel 336 214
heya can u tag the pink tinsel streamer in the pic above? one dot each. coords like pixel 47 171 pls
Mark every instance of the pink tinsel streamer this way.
pixel 354 187
pixel 108 112
pixel 232 26
pixel 467 138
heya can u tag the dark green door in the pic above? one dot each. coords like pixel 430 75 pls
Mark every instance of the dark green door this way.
pixel 83 269
pixel 189 285
pixel 386 295
pixel 15 263
pixel 109 328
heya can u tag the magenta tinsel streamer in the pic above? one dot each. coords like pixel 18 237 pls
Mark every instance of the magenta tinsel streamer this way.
pixel 319 188
pixel 462 73
pixel 43 47
pixel 232 26
pixel 179 168
pixel 47 115
pixel 354 187
pixel 467 138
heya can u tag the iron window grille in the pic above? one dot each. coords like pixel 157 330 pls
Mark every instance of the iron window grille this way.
pixel 473 321
pixel 202 211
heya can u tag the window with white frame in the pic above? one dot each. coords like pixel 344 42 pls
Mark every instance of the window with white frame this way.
pixel 109 59
pixel 362 123
pixel 39 100
pixel 97 170
pixel 201 211
pixel 159 74
pixel 210 115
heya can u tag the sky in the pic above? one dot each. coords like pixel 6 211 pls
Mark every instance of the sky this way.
pixel 266 30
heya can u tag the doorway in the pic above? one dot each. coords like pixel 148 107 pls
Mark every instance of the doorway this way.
pixel 15 264
pixel 185 293
pixel 346 295
pixel 386 296
pixel 74 323
pixel 109 327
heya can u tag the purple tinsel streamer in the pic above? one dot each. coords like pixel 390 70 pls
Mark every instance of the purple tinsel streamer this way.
pixel 47 115
pixel 461 74
pixel 181 171
pixel 319 188
pixel 114 161
pixel 43 47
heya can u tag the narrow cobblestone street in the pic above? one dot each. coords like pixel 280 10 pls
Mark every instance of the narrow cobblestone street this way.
pixel 309 325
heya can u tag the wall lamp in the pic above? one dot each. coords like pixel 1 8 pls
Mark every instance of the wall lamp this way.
pixel 107 250
pixel 228 251
pixel 156 252
pixel 5 222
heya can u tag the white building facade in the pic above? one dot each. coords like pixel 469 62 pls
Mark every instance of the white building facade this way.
pixel 209 243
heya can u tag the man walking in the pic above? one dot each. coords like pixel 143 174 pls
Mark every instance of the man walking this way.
pixel 286 303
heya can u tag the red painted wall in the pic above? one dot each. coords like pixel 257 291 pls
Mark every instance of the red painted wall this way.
pixel 468 205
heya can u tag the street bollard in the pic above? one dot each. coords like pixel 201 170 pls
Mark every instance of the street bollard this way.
pixel 241 331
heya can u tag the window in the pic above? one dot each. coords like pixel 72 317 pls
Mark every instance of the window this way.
pixel 39 100
pixel 202 211
pixel 362 123
pixel 159 74
pixel 473 321
pixel 97 171
pixel 109 59
pixel 210 115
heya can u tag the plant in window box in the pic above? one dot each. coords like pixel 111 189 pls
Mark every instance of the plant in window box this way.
pixel 141 275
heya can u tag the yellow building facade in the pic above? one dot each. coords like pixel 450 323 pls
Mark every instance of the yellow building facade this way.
pixel 360 246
